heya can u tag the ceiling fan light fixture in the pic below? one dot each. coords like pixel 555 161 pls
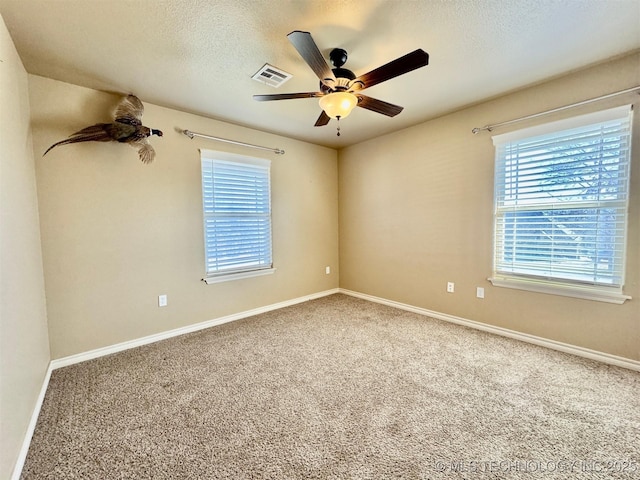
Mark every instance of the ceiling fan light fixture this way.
pixel 338 104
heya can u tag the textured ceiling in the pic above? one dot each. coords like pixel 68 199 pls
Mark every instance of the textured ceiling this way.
pixel 199 55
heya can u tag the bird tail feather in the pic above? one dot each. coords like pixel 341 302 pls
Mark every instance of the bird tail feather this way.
pixel 98 129
pixel 94 133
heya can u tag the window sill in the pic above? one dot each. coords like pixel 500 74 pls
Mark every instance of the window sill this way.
pixel 586 293
pixel 237 276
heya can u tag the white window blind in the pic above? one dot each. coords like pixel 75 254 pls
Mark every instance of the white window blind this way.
pixel 561 202
pixel 236 197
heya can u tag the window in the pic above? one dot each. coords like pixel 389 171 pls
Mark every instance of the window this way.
pixel 236 198
pixel 561 201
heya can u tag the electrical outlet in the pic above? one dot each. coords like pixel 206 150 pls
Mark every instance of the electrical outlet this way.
pixel 450 287
pixel 162 300
pixel 479 292
pixel 327 270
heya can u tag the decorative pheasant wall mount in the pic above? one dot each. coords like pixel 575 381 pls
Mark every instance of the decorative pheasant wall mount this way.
pixel 127 128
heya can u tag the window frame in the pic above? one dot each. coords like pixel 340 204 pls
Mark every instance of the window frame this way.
pixel 553 285
pixel 211 157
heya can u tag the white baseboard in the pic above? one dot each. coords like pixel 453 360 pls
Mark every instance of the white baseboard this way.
pixel 24 449
pixel 81 357
pixel 100 352
pixel 138 342
pixel 524 337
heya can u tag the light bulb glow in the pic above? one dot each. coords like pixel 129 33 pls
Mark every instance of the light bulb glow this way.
pixel 338 104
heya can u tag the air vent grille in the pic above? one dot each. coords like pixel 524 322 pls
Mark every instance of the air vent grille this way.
pixel 271 75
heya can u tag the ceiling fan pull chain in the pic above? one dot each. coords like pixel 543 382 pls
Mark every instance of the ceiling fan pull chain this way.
pixel 338 119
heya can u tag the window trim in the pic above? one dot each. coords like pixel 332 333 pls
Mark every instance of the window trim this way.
pixel 235 274
pixel 553 286
pixel 227 277
pixel 598 294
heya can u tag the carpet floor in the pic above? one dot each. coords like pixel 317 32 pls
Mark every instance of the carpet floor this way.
pixel 338 388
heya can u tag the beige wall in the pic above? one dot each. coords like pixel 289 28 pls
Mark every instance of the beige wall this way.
pixel 24 345
pixel 117 233
pixel 416 212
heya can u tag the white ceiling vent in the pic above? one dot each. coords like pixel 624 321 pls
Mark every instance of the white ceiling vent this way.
pixel 271 75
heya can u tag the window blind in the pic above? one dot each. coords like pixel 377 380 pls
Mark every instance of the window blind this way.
pixel 237 214
pixel 561 201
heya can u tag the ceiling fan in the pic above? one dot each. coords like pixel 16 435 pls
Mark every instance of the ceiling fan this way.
pixel 340 88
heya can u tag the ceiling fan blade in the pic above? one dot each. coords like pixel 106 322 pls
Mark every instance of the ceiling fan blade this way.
pixel 286 96
pixel 323 119
pixel 416 59
pixel 310 53
pixel 378 106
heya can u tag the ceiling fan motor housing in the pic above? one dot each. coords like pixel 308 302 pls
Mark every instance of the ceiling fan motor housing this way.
pixel 343 81
pixel 338 58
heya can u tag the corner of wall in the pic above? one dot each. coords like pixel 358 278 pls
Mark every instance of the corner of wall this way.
pixel 25 354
